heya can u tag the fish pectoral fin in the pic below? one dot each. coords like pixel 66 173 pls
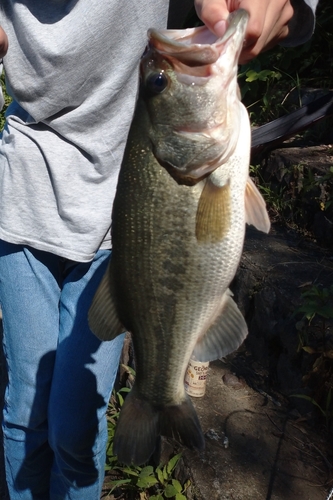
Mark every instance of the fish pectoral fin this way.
pixel 255 208
pixel 225 335
pixel 213 213
pixel 102 316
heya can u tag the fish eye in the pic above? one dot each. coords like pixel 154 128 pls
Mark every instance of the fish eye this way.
pixel 157 82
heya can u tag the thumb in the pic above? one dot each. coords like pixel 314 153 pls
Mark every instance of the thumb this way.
pixel 213 13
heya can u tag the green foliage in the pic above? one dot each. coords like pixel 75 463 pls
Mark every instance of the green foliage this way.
pixel 143 482
pixel 319 186
pixel 147 482
pixel 316 342
pixel 296 193
pixel 169 487
pixel 256 86
pixel 327 411
pixel 317 301
pixel 274 195
pixel 113 412
pixel 7 102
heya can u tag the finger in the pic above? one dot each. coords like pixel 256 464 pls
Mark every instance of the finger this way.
pixel 3 43
pixel 213 13
pixel 266 31
pixel 256 22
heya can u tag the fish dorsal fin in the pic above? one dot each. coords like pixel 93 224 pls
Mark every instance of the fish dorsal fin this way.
pixel 103 318
pixel 255 208
pixel 213 213
pixel 225 335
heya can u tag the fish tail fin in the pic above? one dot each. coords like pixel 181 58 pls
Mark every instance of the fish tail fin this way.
pixel 140 425
pixel 137 430
pixel 181 423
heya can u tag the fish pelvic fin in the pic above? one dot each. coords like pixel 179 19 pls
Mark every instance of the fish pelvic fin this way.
pixel 140 425
pixel 225 335
pixel 213 213
pixel 255 208
pixel 102 316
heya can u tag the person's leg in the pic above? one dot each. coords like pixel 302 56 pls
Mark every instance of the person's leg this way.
pixel 29 297
pixel 84 374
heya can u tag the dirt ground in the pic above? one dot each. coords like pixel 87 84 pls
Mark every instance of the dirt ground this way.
pixel 255 448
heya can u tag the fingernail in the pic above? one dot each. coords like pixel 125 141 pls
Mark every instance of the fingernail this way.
pixel 220 28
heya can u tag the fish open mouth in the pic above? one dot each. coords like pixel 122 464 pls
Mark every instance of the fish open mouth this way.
pixel 198 46
pixel 196 72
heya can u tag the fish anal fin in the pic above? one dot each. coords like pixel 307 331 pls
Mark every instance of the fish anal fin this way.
pixel 255 208
pixel 225 335
pixel 213 213
pixel 102 317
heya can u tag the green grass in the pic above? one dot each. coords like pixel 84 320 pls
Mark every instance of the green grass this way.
pixel 8 100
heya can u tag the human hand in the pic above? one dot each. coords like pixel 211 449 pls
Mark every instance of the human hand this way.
pixel 3 43
pixel 267 26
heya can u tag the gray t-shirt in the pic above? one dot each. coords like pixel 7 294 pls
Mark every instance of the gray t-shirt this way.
pixel 71 69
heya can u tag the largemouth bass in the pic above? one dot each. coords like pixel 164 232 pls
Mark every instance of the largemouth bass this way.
pixel 178 226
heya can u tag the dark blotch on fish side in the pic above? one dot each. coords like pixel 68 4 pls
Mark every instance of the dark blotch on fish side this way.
pixel 173 268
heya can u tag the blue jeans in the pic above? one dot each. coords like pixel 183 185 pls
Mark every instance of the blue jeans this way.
pixel 60 376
